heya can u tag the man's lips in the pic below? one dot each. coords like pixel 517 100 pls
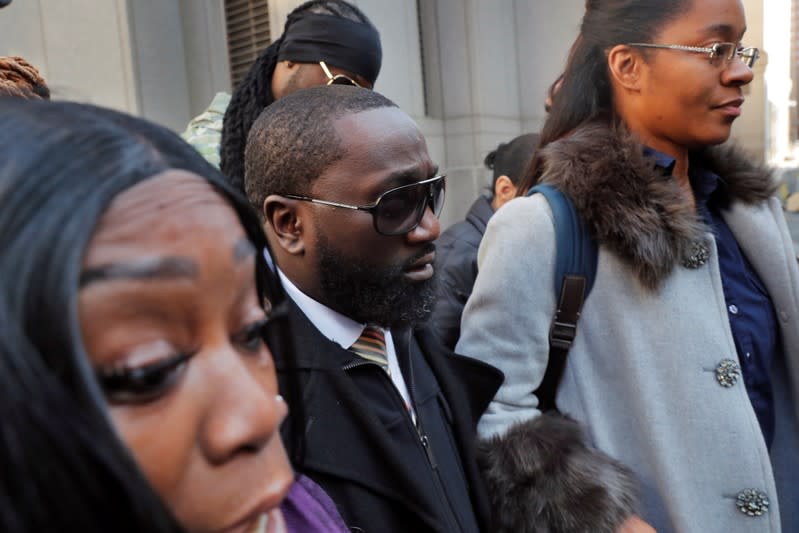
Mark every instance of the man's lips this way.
pixel 426 259
pixel 422 269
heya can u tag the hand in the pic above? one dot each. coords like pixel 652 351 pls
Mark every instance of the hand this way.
pixel 634 524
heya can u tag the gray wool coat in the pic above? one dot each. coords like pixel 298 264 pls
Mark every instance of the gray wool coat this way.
pixel 641 376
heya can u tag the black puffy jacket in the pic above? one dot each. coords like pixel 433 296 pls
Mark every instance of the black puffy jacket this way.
pixel 456 264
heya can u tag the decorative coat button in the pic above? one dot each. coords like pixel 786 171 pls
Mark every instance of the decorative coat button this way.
pixel 728 372
pixel 697 256
pixel 752 502
pixel 733 309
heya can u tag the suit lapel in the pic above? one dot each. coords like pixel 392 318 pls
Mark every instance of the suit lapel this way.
pixel 455 372
pixel 469 386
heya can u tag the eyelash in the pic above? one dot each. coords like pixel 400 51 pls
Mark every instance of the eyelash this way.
pixel 142 384
pixel 251 338
pixel 149 382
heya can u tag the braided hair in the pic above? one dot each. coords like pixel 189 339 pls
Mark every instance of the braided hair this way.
pixel 254 93
pixel 20 78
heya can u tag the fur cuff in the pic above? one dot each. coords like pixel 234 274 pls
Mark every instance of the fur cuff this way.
pixel 543 478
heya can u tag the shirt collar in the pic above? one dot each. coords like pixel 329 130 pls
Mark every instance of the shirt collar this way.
pixel 664 161
pixel 703 182
pixel 338 328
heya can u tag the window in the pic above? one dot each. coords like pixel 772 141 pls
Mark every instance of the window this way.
pixel 247 34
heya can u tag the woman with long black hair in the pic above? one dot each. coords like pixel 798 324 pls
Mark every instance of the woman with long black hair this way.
pixel 137 391
pixel 685 365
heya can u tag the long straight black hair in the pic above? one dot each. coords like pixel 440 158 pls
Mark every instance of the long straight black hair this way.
pixel 586 93
pixel 62 465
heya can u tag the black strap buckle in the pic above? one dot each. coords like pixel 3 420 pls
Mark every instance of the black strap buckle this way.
pixel 561 334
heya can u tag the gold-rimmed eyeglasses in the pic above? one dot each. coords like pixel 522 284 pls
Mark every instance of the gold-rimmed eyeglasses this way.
pixel 338 79
pixel 718 51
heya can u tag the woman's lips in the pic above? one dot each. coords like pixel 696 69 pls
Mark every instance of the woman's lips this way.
pixel 731 108
pixel 271 522
pixel 276 522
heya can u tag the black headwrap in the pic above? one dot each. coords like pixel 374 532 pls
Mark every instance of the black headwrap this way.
pixel 342 43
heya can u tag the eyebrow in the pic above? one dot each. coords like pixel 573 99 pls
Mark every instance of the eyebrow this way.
pixel 721 29
pixel 151 268
pixel 406 177
pixel 242 250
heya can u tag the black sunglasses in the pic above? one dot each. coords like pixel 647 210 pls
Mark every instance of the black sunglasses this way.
pixel 399 210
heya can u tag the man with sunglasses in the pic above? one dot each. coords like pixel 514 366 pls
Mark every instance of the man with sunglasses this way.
pixel 350 198
pixel 324 42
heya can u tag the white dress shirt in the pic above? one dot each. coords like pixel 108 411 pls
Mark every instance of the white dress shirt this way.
pixel 344 331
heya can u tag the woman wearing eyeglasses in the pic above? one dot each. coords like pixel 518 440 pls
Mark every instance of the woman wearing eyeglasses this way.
pixel 684 373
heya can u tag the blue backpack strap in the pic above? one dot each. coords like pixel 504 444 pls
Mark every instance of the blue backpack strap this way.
pixel 576 250
pixel 575 271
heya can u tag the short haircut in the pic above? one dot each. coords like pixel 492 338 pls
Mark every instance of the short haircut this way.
pixel 294 140
pixel 512 159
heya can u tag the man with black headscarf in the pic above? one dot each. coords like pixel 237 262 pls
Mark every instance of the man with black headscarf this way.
pixel 323 42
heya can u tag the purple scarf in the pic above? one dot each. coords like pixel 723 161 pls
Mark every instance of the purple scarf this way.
pixel 307 509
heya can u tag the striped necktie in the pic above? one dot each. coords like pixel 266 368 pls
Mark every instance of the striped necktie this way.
pixel 371 345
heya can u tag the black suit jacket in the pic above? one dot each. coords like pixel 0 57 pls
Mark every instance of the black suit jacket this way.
pixel 349 451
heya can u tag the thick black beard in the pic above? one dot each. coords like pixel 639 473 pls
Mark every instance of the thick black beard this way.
pixel 372 294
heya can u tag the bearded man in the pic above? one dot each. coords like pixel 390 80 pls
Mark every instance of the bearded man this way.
pixel 350 200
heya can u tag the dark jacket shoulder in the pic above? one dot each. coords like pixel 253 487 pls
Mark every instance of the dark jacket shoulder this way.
pixel 456 267
pixel 349 451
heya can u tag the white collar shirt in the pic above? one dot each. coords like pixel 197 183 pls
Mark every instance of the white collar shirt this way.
pixel 344 331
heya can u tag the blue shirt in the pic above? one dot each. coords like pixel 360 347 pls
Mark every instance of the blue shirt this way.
pixel 753 320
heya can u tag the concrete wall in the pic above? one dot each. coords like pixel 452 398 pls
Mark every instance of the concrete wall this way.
pixel 496 61
pixel 161 59
pixel 179 52
pixel 205 45
pixel 82 47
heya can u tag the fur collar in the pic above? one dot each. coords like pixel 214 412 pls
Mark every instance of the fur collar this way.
pixel 628 205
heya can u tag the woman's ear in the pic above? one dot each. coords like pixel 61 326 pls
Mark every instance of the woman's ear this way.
pixel 624 67
pixel 284 220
